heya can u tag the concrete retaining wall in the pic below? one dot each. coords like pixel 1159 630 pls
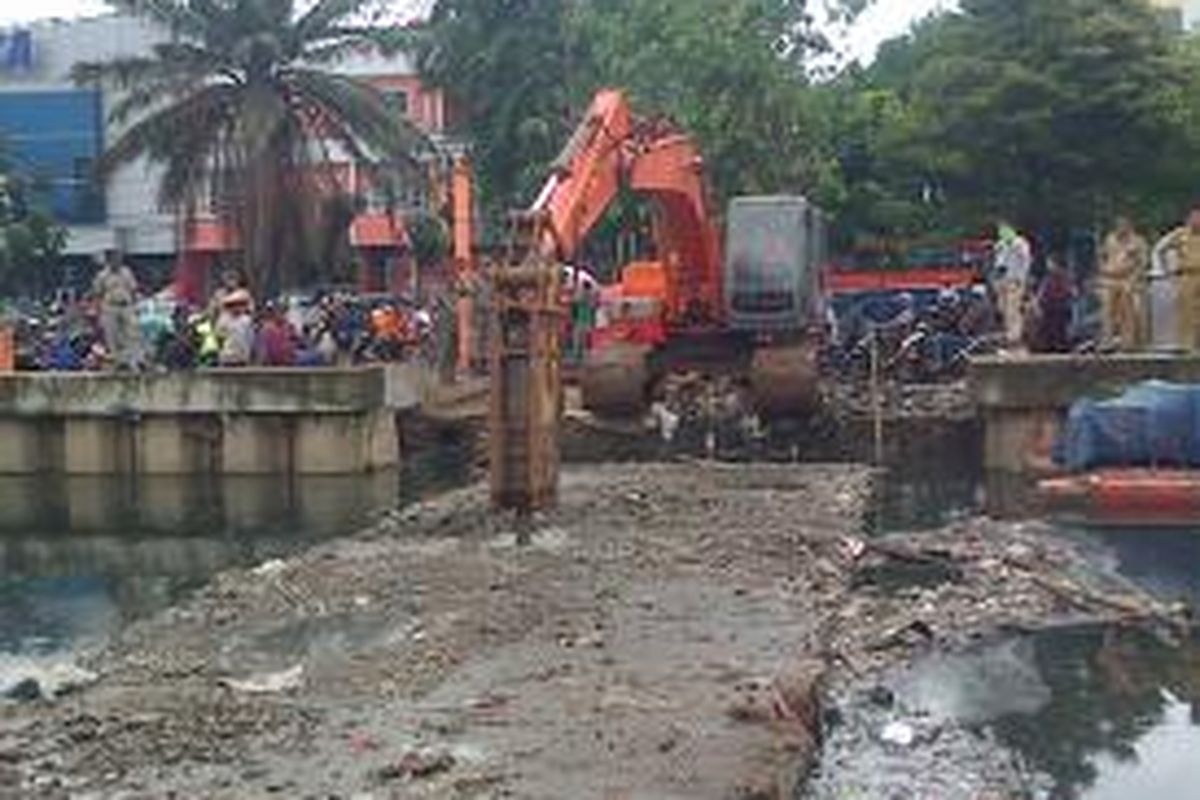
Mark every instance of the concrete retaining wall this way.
pixel 1023 401
pixel 234 422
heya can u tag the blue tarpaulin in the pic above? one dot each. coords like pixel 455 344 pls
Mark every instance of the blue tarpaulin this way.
pixel 1150 424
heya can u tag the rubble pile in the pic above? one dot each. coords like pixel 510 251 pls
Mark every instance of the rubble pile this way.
pixel 945 402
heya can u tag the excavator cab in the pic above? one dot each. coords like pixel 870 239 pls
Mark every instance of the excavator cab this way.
pixel 773 250
pixel 774 247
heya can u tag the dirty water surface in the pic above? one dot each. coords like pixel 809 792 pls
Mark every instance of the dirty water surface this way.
pixel 81 558
pixel 1072 712
pixel 1080 713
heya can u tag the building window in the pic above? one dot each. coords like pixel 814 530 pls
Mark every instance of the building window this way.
pixel 88 193
pixel 397 101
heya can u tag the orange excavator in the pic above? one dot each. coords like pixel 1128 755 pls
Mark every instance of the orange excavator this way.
pixel 746 302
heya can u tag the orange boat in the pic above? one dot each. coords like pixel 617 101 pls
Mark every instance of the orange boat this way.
pixel 1126 497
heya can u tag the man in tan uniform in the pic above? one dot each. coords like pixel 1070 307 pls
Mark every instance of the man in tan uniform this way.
pixel 1123 264
pixel 1184 244
pixel 116 289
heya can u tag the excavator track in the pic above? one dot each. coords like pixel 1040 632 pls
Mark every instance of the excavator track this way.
pixel 785 379
pixel 615 379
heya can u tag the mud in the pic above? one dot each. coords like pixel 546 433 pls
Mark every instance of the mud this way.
pixel 643 641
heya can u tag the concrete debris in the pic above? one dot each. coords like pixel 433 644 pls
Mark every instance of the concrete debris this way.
pixel 900 734
pixel 46 680
pixel 416 765
pixel 268 683
pixel 270 568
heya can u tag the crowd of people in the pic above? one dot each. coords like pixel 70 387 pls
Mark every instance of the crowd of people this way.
pixel 117 327
pixel 1141 295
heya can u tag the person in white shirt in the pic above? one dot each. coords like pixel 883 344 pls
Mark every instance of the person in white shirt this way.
pixel 1013 260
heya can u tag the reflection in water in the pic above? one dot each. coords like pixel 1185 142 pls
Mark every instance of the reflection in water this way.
pixel 1108 714
pixel 1125 705
pixel 81 556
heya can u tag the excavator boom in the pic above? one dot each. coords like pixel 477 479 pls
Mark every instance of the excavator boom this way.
pixel 611 149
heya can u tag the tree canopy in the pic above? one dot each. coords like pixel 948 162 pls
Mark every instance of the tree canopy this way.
pixel 239 108
pixel 1055 113
pixel 31 241
pixel 730 72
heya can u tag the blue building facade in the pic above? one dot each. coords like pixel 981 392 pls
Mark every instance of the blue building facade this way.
pixel 52 139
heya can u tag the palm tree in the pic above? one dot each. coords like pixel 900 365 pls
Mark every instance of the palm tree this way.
pixel 238 108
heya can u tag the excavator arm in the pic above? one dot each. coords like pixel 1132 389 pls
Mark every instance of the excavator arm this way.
pixel 610 149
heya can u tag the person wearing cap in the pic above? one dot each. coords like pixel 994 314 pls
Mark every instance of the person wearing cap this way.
pixel 1184 244
pixel 116 289
pixel 1013 261
pixel 231 283
pixel 1124 260
pixel 235 329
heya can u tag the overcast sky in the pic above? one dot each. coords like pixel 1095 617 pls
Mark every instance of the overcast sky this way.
pixel 888 18
pixel 885 19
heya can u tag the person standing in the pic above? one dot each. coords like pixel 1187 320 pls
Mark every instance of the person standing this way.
pixel 116 288
pixel 1124 260
pixel 235 330
pixel 1054 303
pixel 583 319
pixel 275 343
pixel 231 285
pixel 1184 244
pixel 1013 260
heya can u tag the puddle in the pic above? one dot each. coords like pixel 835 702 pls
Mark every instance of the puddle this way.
pixel 1088 713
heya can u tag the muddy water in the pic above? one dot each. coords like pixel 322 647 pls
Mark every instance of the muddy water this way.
pixel 1087 713
pixel 81 557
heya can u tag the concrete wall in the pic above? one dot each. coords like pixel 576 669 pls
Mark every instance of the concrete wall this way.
pixel 230 422
pixel 1023 401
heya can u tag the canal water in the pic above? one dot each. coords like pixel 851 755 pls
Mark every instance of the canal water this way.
pixel 1080 713
pixel 81 557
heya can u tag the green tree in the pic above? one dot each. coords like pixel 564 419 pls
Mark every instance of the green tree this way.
pixel 508 65
pixel 31 241
pixel 1056 113
pixel 239 108
pixel 731 72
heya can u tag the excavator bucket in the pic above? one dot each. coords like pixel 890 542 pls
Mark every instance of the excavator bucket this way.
pixel 785 380
pixel 615 380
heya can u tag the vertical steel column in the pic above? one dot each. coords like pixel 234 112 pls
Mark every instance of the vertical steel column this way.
pixel 526 376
